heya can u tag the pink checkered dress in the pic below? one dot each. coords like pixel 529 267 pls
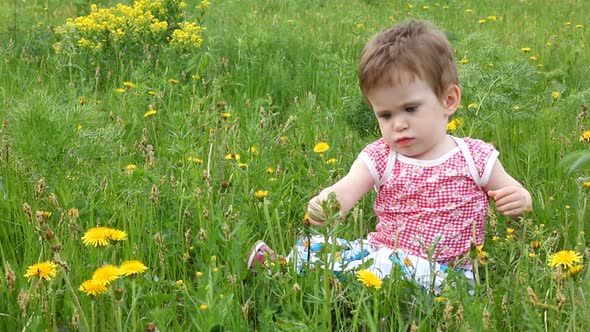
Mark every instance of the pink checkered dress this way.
pixel 431 204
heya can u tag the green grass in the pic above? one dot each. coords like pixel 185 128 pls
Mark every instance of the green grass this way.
pixel 285 71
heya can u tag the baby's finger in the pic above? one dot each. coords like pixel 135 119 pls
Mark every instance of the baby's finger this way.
pixel 513 213
pixel 505 200
pixel 498 194
pixel 508 206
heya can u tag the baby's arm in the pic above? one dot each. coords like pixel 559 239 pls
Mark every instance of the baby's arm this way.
pixel 352 187
pixel 511 198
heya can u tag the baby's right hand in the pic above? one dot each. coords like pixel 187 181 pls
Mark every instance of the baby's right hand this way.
pixel 315 212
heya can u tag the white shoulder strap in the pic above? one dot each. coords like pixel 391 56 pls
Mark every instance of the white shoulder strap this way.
pixel 388 168
pixel 469 158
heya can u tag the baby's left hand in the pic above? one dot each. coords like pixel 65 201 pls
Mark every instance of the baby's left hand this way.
pixel 512 201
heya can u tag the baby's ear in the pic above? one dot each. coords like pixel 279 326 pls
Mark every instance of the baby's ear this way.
pixel 451 99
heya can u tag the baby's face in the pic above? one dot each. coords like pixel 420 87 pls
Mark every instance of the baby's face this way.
pixel 412 119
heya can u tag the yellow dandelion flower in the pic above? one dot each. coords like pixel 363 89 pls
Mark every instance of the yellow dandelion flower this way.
pixel 555 95
pixel 215 269
pixel 463 61
pixel 261 194
pixel 321 147
pixel 525 49
pixel 152 93
pixel 203 306
pixel 482 255
pixel 106 274
pixel 532 255
pixel 578 26
pixel 128 85
pixel 369 279
pixel 440 299
pixel 130 168
pixel 45 270
pixel 586 184
pixel 117 235
pixel 225 115
pixel 516 107
pixel 493 17
pixel 564 259
pixel 548 44
pixel 536 244
pixel 283 139
pixel 119 90
pixel 454 124
pixel 426 7
pixel 232 156
pixel 100 236
pixel 270 170
pixel 173 81
pixel 195 160
pixel 242 165
pixel 199 274
pixel 575 270
pixel 331 161
pixel 491 65
pixel 253 150
pixel 149 113
pixel 533 58
pixel 495 238
pixel 468 11
pixel 179 282
pixel 93 287
pixel 585 136
pixel 82 100
pixel 306 218
pixel 132 267
pixel 482 21
pixel 473 105
pixel 97 236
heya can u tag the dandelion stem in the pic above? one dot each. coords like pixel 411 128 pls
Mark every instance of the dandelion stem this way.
pixel 93 316
pixel 77 302
pixel 358 309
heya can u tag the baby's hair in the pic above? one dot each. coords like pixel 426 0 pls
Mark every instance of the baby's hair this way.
pixel 409 50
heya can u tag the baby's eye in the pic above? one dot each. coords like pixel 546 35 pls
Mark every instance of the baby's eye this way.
pixel 385 116
pixel 411 109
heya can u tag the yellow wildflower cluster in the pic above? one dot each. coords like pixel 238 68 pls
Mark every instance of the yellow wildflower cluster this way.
pixel 187 36
pixel 142 23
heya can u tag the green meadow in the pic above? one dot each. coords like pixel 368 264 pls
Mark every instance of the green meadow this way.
pixel 167 137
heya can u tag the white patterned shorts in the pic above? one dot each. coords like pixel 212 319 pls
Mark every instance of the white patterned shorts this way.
pixel 357 254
